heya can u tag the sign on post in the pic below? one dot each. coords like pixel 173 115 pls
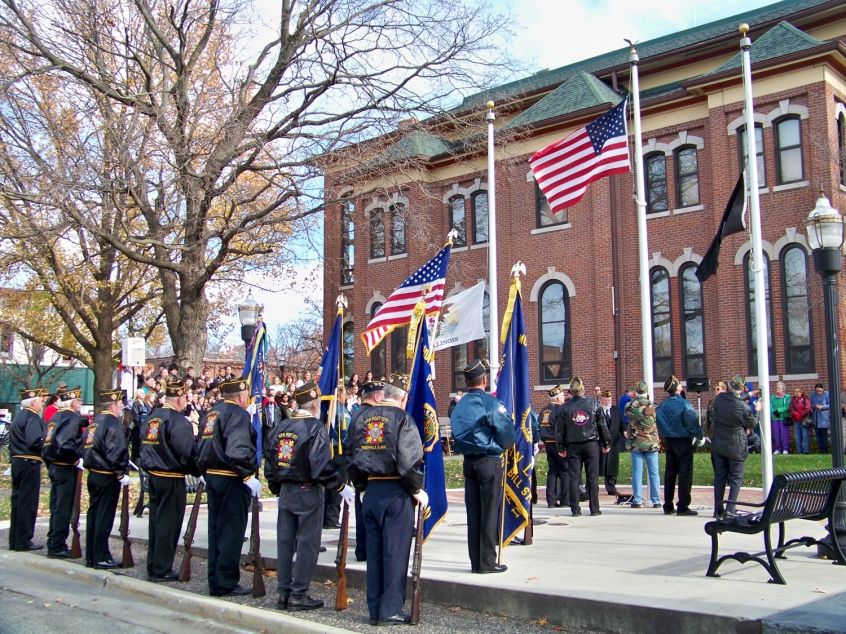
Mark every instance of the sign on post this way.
pixel 134 352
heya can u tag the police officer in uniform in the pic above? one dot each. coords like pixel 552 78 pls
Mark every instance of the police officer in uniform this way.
pixel 167 455
pixel 298 465
pixel 62 453
pixel 581 429
pixel 227 456
pixel 107 461
pixel 482 430
pixel 557 481
pixel 26 438
pixel 385 456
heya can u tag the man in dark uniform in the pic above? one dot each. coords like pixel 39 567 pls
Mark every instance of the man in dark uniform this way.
pixel 62 453
pixel 581 429
pixel 227 456
pixel 26 438
pixel 372 394
pixel 482 430
pixel 298 465
pixel 557 482
pixel 167 455
pixel 609 463
pixel 385 456
pixel 107 461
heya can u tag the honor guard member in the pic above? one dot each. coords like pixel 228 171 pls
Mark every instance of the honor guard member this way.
pixel 557 482
pixel 227 457
pixel 580 425
pixel 482 430
pixel 385 455
pixel 167 455
pixel 26 439
pixel 62 453
pixel 372 393
pixel 107 461
pixel 298 465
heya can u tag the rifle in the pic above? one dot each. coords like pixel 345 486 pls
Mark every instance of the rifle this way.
pixel 188 537
pixel 76 549
pixel 416 567
pixel 255 547
pixel 139 506
pixel 341 599
pixel 127 562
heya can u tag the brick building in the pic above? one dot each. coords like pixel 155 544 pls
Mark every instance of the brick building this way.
pixel 386 216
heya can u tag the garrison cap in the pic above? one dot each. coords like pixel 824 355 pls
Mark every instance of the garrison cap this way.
pixel 176 388
pixel 399 381
pixel 474 370
pixel 233 386
pixel 606 394
pixel 107 397
pixel 372 386
pixel 555 391
pixel 307 392
pixel 69 393
pixel 642 387
pixel 576 385
pixel 671 384
pixel 736 383
pixel 33 392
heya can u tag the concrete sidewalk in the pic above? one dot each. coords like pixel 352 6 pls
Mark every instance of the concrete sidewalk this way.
pixel 629 570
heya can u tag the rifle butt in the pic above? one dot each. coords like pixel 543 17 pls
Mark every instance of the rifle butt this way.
pixel 188 537
pixel 185 571
pixel 341 598
pixel 126 560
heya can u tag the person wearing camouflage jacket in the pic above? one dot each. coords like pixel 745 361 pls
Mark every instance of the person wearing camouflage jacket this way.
pixel 642 439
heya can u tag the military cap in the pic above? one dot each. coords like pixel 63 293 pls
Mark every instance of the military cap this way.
pixel 69 393
pixel 33 392
pixel 555 391
pixel 671 384
pixel 722 384
pixel 176 388
pixel 576 385
pixel 233 386
pixel 474 370
pixel 736 383
pixel 107 397
pixel 372 386
pixel 399 381
pixel 307 392
pixel 606 394
pixel 642 387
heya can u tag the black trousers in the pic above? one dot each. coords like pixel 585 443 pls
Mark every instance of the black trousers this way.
pixel 389 522
pixel 557 478
pixel 609 466
pixel 332 498
pixel 726 471
pixel 229 503
pixel 103 494
pixel 298 529
pixel 679 466
pixel 483 500
pixel 587 453
pixel 167 510
pixel 62 485
pixel 360 532
pixel 26 488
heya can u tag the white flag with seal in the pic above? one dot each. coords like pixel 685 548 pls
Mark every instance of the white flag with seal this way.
pixel 461 318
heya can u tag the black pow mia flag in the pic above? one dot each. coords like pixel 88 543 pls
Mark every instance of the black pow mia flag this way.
pixel 733 222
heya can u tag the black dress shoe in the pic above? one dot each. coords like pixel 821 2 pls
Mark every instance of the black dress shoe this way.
pixel 106 565
pixel 330 527
pixel 296 604
pixel 687 512
pixel 34 547
pixel 576 513
pixel 60 554
pixel 240 591
pixel 322 549
pixel 397 619
pixel 669 510
pixel 595 513
pixel 612 491
pixel 282 602
pixel 496 568
pixel 636 505
pixel 168 576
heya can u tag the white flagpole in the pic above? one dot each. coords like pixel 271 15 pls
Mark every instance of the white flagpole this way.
pixel 643 247
pixel 493 338
pixel 758 264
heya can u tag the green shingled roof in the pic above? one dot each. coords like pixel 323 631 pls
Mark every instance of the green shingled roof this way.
pixel 582 91
pixel 782 39
pixel 415 144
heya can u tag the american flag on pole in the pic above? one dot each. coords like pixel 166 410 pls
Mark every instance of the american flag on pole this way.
pixel 396 311
pixel 564 169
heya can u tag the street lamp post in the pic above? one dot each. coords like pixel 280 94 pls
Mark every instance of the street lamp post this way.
pixel 824 228
pixel 248 313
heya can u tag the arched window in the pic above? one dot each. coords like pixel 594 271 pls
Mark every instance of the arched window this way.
pixel 397 229
pixel 662 333
pixel 463 354
pixel 687 176
pixel 750 314
pixel 759 152
pixel 479 205
pixel 457 220
pixel 788 133
pixel 378 354
pixel 555 345
pixel 656 182
pixel 693 324
pixel 349 351
pixel 545 216
pixel 347 242
pixel 399 342
pixel 841 144
pixel 797 311
pixel 377 233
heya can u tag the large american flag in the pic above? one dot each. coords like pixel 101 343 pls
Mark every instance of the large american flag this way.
pixel 396 311
pixel 564 169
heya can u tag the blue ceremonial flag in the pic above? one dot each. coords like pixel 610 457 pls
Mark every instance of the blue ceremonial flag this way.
pixel 329 376
pixel 421 406
pixel 255 370
pixel 514 391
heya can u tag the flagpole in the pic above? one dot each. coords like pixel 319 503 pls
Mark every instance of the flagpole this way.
pixel 493 342
pixel 643 247
pixel 758 263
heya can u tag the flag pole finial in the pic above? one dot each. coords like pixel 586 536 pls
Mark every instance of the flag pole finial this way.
pixel 341 302
pixel 632 49
pixel 452 236
pixel 518 269
pixel 489 105
pixel 744 29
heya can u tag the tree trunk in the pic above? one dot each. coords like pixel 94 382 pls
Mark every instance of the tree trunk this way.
pixel 103 370
pixel 189 344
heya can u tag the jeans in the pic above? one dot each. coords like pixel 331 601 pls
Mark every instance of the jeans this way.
pixel 803 438
pixel 726 472
pixel 651 458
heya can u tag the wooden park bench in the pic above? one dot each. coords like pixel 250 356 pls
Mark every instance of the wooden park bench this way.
pixel 808 495
pixel 446 434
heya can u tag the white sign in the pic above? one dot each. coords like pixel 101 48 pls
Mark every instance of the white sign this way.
pixel 134 351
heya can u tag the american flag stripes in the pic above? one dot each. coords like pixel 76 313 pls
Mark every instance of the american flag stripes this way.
pixel 564 169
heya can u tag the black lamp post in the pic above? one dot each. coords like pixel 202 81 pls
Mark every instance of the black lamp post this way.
pixel 248 313
pixel 825 237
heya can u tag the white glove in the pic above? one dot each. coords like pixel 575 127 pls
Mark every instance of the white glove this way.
pixel 254 486
pixel 203 480
pixel 124 480
pixel 79 464
pixel 422 498
pixel 348 494
pixel 536 449
pixel 698 442
pixel 361 497
pixel 251 409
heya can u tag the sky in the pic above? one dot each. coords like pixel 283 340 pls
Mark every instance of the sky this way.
pixel 546 34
